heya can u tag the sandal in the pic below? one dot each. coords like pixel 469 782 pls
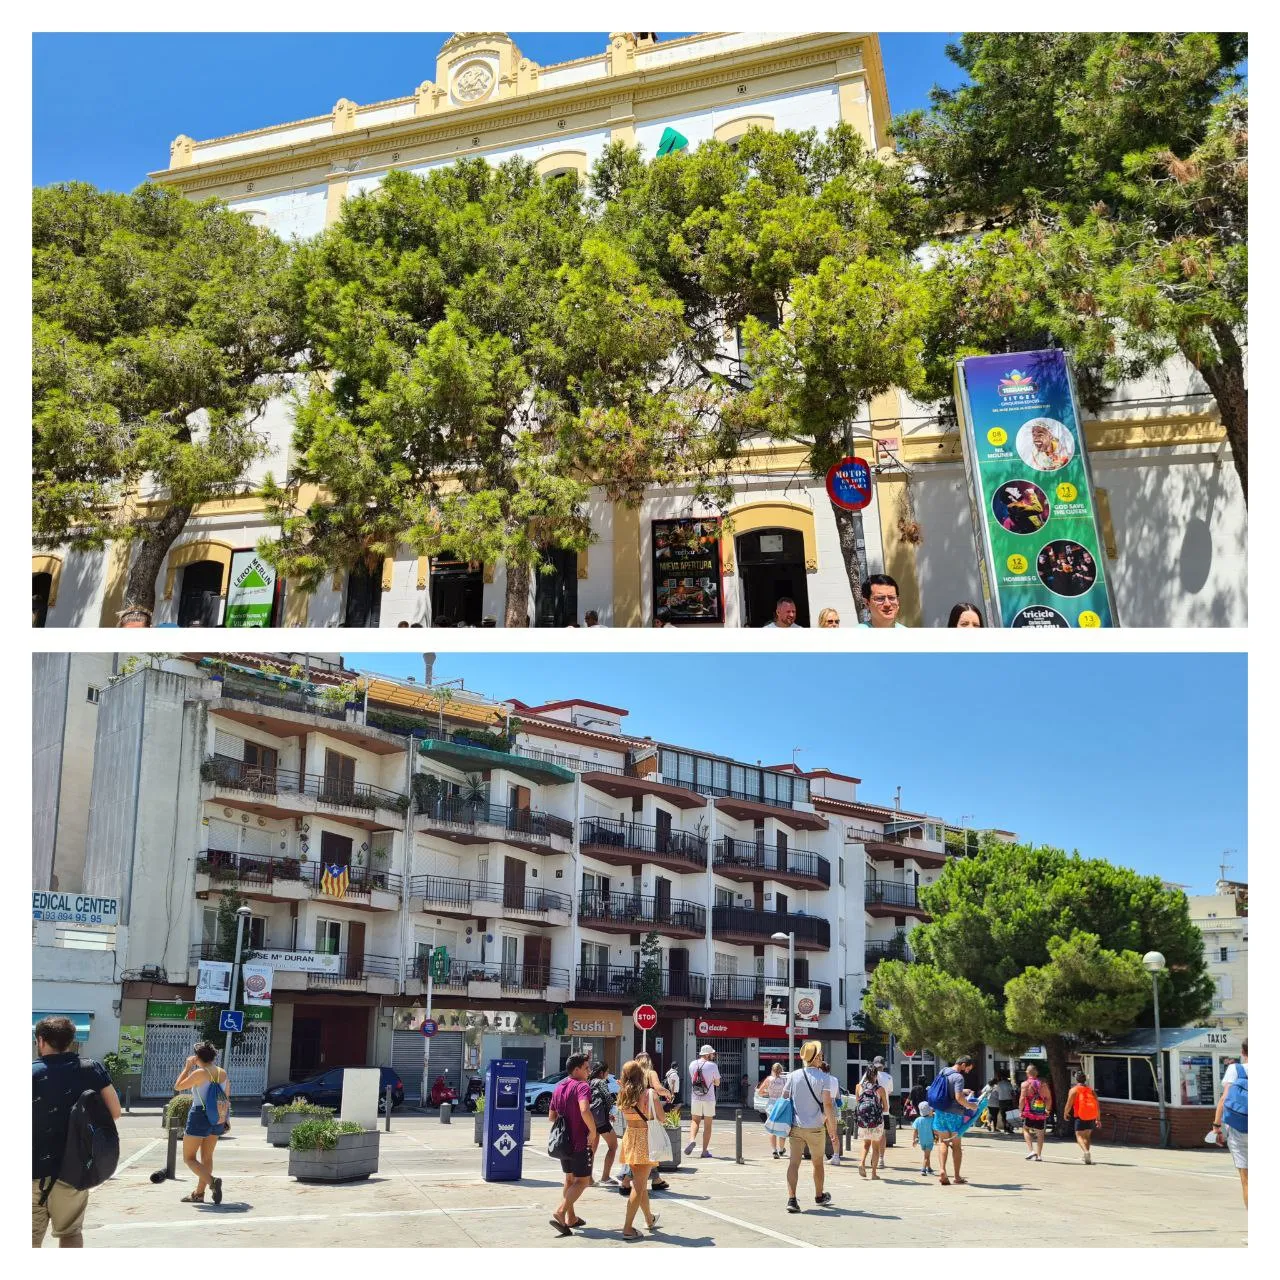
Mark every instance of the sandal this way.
pixel 578 1222
pixel 216 1184
pixel 634 1235
pixel 560 1227
pixel 653 1224
pixel 660 1186
pixel 192 1199
pixel 944 1180
pixel 959 1181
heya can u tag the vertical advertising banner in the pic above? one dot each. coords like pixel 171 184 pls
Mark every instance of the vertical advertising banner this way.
pixel 251 595
pixel 687 582
pixel 1031 492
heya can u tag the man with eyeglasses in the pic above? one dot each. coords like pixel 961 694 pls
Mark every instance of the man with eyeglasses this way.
pixel 881 594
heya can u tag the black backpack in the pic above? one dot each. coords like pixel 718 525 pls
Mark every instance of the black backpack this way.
pixel 93 1145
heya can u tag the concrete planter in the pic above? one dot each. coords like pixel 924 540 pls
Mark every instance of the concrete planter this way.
pixel 479 1118
pixel 674 1139
pixel 278 1131
pixel 266 1114
pixel 355 1156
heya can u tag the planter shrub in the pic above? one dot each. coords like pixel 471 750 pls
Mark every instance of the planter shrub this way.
pixel 326 1150
pixel 176 1111
pixel 283 1120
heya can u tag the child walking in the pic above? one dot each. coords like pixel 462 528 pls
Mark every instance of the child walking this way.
pixel 922 1137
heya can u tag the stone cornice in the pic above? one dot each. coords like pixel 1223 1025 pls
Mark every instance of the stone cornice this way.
pixel 336 151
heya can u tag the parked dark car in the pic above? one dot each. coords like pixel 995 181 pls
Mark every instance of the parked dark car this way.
pixel 325 1090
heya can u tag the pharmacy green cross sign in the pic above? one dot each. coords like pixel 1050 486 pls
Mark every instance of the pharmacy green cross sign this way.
pixel 440 965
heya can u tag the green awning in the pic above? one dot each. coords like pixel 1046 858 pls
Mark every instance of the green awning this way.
pixel 469 759
pixel 82 1021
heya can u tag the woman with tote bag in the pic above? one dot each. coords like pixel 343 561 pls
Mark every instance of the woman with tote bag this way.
pixel 642 1143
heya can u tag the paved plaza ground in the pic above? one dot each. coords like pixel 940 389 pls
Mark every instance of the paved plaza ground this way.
pixel 428 1192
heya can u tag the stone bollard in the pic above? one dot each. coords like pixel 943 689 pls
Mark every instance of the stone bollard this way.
pixel 171 1154
pixel 446 1113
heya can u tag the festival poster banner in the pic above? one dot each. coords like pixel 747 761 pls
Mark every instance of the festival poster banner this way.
pixel 1031 492
pixel 687 582
pixel 251 596
pixel 257 983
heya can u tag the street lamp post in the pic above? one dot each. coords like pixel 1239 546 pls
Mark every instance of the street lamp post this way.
pixel 790 940
pixel 1153 962
pixel 242 914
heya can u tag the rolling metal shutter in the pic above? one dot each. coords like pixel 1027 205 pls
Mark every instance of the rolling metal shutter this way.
pixel 446 1057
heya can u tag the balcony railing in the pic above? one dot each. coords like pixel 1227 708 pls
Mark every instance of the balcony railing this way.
pixel 746 988
pixel 894 949
pixel 510 977
pixel 623 982
pixel 448 892
pixel 910 844
pixel 347 969
pixel 642 910
pixel 763 924
pixel 223 866
pixel 290 700
pixel 471 813
pixel 633 837
pixel 574 763
pixel 889 894
pixel 241 776
pixel 750 856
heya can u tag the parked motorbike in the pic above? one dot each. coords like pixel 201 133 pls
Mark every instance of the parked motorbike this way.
pixel 441 1092
pixel 475 1090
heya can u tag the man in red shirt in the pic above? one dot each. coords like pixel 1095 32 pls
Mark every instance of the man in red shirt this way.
pixel 572 1101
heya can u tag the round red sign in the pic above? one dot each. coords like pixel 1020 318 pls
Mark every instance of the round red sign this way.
pixel 645 1017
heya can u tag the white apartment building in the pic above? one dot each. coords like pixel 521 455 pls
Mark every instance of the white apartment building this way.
pixel 1172 515
pixel 1226 951
pixel 540 846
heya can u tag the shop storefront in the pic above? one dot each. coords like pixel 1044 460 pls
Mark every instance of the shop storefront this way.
pixel 597 1031
pixel 1123 1075
pixel 749 1048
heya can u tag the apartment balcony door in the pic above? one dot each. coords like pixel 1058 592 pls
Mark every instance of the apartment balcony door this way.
pixel 335 850
pixel 663 831
pixel 678 966
pixel 537 961
pixel 339 775
pixel 513 871
pixel 661 899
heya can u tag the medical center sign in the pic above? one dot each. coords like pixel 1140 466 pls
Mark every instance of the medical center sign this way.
pixel 1031 492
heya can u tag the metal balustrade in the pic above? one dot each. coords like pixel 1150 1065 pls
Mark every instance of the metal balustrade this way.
pixel 239 775
pixel 763 924
pixel 454 811
pixel 642 911
pixel 451 892
pixel 891 894
pixel 623 982
pixel 746 988
pixel 510 977
pixel 348 967
pixel 224 866
pixel 684 846
pixel 749 855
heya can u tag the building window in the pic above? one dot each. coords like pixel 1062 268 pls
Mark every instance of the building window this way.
pixel 329 937
pixel 92 694
pixel 1222 954
pixel 724 897
pixel 841 863
pixel 842 993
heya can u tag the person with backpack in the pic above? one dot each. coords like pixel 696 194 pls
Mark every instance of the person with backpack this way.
pixel 1082 1109
pixel 1231 1119
pixel 1035 1102
pixel 814 1119
pixel 207 1120
pixel 952 1114
pixel 704 1076
pixel 601 1105
pixel 869 1110
pixel 74 1144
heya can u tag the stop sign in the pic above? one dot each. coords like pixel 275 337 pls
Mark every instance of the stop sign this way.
pixel 645 1017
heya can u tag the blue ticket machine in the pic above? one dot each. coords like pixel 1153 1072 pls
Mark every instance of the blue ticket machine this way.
pixel 503 1121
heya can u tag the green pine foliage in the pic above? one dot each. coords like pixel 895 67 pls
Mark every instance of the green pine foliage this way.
pixel 161 330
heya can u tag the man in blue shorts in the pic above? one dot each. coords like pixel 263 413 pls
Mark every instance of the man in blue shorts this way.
pixel 949 1119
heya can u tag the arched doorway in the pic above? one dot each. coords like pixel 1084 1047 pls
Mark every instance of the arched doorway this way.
pixel 41 589
pixel 364 593
pixel 771 564
pixel 200 595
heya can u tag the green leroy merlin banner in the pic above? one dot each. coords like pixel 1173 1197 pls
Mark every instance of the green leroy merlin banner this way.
pixel 184 1011
pixel 251 597
pixel 1031 492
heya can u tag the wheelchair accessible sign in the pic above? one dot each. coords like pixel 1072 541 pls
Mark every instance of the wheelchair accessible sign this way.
pixel 849 484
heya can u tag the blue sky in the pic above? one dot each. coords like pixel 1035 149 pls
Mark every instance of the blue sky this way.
pixel 1136 758
pixel 106 106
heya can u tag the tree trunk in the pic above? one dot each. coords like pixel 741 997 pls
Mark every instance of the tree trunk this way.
pixel 140 588
pixel 517 610
pixel 847 530
pixel 1226 380
pixel 1059 1077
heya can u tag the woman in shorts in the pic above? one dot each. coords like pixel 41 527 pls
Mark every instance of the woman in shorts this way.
pixel 1084 1113
pixel 1035 1101
pixel 203 1129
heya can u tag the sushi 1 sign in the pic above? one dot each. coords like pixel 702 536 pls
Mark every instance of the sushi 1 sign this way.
pixel 1031 492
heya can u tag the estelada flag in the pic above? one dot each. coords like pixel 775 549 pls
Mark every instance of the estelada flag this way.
pixel 334 881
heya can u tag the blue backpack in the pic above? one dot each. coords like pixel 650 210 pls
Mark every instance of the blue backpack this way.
pixel 1235 1108
pixel 939 1096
